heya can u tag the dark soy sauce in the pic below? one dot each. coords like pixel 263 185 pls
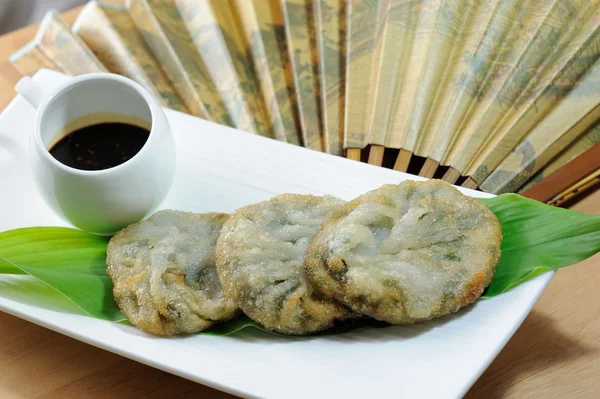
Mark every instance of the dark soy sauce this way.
pixel 100 146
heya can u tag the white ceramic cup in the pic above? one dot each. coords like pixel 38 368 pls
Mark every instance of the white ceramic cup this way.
pixel 100 201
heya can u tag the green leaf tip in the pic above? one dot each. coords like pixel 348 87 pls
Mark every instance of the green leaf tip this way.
pixel 70 261
pixel 538 238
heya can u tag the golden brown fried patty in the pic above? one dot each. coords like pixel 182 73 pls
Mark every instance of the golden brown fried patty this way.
pixel 260 256
pixel 164 276
pixel 405 253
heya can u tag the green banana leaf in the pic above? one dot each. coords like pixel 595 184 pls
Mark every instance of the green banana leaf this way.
pixel 70 261
pixel 536 238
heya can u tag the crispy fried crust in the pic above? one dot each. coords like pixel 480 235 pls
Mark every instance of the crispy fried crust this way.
pixel 260 257
pixel 163 271
pixel 406 253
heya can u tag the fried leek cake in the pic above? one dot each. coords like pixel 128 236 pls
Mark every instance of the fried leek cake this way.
pixel 164 276
pixel 406 253
pixel 260 256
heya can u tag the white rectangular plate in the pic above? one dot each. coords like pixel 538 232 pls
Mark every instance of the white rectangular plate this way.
pixel 221 169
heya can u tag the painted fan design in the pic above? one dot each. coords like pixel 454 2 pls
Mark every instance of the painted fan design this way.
pixel 492 94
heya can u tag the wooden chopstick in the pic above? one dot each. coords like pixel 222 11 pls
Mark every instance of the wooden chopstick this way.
pixel 567 177
pixel 578 188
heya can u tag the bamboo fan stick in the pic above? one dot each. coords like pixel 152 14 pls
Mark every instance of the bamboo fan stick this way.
pixel 262 24
pixel 376 155
pixel 451 175
pixel 457 35
pixel 457 93
pixel 109 32
pixel 559 130
pixel 429 168
pixel 214 36
pixel 237 49
pixel 552 61
pixel 377 79
pixel 172 47
pixel 67 51
pixel 300 32
pixel 364 21
pixel 567 176
pixel 431 24
pixel 353 154
pixel 390 64
pixel 400 77
pixel 470 183
pixel 330 20
pixel 577 189
pixel 402 160
pixel 410 101
pixel 30 59
pixel 513 22
pixel 540 48
pixel 445 31
pixel 402 19
pixel 566 155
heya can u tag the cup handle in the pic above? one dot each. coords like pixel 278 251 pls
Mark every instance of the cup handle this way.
pixel 31 91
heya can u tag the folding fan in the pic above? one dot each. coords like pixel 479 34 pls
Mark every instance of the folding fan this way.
pixel 495 94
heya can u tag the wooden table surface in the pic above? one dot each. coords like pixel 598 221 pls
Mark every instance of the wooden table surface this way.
pixel 555 353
